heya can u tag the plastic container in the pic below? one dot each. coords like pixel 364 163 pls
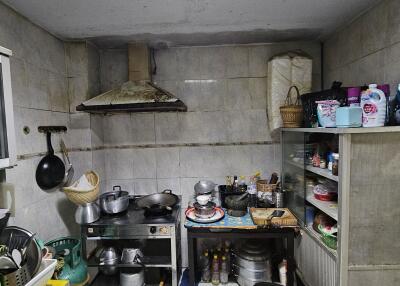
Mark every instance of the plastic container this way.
pixel 328 239
pixel 353 96
pixel 349 116
pixel 326 111
pixel 45 273
pixel 373 104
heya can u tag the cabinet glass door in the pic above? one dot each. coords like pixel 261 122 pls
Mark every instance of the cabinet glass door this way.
pixel 293 156
pixel 3 125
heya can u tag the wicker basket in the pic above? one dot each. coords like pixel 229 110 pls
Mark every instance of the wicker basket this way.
pixel 264 187
pixel 292 113
pixel 79 197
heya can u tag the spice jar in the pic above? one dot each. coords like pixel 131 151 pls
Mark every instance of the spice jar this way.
pixel 335 164
pixel 322 164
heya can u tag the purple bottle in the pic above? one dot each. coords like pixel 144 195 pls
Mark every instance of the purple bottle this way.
pixel 353 96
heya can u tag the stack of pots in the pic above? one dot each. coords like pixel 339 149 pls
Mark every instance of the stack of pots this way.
pixel 252 263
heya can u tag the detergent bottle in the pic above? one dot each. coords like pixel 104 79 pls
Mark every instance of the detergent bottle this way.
pixel 373 104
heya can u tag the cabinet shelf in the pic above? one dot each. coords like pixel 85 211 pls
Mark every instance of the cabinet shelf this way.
pixel 322 172
pixel 330 208
pixel 148 261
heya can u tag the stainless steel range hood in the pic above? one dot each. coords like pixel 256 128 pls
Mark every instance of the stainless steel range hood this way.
pixel 139 94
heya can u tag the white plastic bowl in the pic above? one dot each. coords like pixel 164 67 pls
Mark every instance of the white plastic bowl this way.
pixel 203 199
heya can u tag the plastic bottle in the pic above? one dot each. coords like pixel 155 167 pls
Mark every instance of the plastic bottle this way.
pixel 242 184
pixel 224 274
pixel 396 110
pixel 205 267
pixel 386 90
pixel 353 96
pixel 373 104
pixel 252 190
pixel 215 271
pixel 227 254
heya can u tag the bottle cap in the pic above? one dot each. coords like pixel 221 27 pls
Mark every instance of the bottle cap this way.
pixel 215 256
pixel 373 85
pixel 223 257
pixel 353 91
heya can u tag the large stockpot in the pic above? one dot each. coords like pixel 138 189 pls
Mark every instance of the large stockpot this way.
pixel 114 202
pixel 255 276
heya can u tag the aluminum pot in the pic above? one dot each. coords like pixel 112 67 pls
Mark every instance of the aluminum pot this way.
pixel 255 276
pixel 204 187
pixel 160 201
pixel 260 265
pixel 133 276
pixel 109 258
pixel 87 213
pixel 204 211
pixel 114 202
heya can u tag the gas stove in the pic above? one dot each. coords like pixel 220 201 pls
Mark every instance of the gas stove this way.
pixel 134 223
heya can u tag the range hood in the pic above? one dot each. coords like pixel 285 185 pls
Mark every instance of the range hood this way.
pixel 139 94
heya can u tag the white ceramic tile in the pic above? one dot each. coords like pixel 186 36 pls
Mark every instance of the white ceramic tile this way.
pixel 77 91
pixel 126 185
pixel 119 164
pixel 188 63
pixel 167 162
pixel 57 88
pixel 38 95
pixel 114 68
pixel 167 64
pixel 144 163
pixel 172 184
pixel 99 163
pixel 258 92
pixel 212 62
pixel 117 129
pixel 82 162
pixel 237 61
pixel 145 186
pixel 238 94
pixel 258 60
pixel 167 128
pixel 97 130
pixel 142 128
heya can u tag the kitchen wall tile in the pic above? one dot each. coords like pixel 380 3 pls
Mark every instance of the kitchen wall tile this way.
pixel 93 59
pixel 167 128
pixel 393 26
pixel 371 68
pixel 258 92
pixel 142 128
pixel 172 184
pixel 78 134
pixel 19 82
pixel 237 61
pixel 99 163
pixel 167 64
pixel 113 68
pixel 76 58
pixel 96 130
pixel 82 162
pixel 117 129
pixel 38 95
pixel 119 164
pixel 145 186
pixel 144 163
pixel 212 62
pixel 259 56
pixel 238 94
pixel 77 91
pixel 57 89
pixel 167 162
pixel 187 191
pixel 188 62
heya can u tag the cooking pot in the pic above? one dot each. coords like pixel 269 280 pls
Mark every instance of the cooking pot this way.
pixel 260 265
pixel 87 213
pixel 158 202
pixel 263 275
pixel 109 258
pixel 204 211
pixel 204 187
pixel 133 276
pixel 114 202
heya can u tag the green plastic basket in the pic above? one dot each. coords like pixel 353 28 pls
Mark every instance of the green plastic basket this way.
pixel 328 239
pixel 74 247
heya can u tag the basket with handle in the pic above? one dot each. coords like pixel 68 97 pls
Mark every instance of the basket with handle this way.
pixel 80 197
pixel 292 113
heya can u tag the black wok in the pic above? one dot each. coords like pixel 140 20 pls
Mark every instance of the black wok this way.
pixel 160 201
pixel 51 169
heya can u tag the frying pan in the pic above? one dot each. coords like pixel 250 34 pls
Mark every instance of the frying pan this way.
pixel 159 201
pixel 50 172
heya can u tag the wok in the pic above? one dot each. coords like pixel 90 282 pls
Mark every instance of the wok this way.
pixel 50 172
pixel 165 200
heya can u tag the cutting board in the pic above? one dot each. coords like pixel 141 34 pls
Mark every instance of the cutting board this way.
pixel 260 217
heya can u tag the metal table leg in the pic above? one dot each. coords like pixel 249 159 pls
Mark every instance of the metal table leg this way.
pixel 191 251
pixel 290 258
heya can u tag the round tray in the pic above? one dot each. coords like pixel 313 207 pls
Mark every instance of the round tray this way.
pixel 219 214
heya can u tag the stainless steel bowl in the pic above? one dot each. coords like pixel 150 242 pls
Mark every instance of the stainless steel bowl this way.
pixel 109 258
pixel 204 211
pixel 87 213
pixel 204 187
pixel 114 202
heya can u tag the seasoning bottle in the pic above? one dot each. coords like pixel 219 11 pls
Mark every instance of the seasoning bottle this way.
pixel 235 185
pixel 252 190
pixel 205 267
pixel 224 274
pixel 279 197
pixel 215 271
pixel 335 164
pixel 242 184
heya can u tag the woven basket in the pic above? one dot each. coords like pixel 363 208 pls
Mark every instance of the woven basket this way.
pixel 292 113
pixel 81 198
pixel 264 187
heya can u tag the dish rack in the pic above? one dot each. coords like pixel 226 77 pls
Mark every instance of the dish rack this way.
pixel 22 277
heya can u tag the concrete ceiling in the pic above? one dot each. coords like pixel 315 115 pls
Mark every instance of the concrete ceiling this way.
pixel 190 22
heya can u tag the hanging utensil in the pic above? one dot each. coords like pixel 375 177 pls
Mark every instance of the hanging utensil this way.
pixel 69 174
pixel 50 172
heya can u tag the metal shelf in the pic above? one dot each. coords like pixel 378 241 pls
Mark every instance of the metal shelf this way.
pixel 148 261
pixel 322 172
pixel 330 208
